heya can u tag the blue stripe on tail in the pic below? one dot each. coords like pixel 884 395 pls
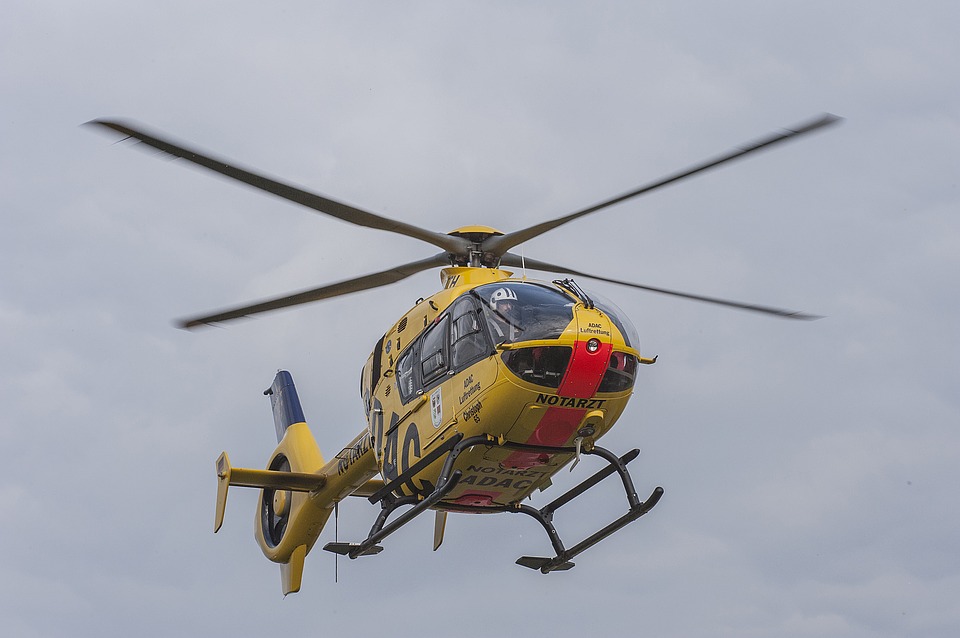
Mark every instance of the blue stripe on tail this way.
pixel 284 402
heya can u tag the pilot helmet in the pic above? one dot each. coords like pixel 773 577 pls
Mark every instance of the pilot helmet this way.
pixel 502 294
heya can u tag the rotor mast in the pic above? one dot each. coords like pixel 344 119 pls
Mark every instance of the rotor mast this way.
pixel 476 256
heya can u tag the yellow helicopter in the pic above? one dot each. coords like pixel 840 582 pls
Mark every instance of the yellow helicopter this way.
pixel 474 399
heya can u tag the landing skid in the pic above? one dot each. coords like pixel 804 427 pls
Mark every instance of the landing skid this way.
pixel 561 562
pixel 448 480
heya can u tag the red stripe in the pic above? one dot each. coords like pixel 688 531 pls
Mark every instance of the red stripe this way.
pixel 585 371
pixel 478 499
pixel 555 428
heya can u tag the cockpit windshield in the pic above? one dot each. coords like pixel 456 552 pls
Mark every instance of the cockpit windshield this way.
pixel 525 311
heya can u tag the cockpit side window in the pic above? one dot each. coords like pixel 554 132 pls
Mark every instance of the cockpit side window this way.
pixel 467 341
pixel 434 359
pixel 455 341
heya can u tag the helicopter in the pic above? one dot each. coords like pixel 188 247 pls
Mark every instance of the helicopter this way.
pixel 474 399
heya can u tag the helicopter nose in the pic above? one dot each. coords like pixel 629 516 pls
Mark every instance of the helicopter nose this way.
pixel 558 423
pixel 591 354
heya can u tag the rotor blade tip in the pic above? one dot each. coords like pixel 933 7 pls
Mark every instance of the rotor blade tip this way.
pixel 803 316
pixel 102 121
pixel 192 324
pixel 100 124
pixel 112 127
pixel 824 119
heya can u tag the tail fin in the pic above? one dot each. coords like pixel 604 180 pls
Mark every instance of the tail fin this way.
pixel 291 572
pixel 284 402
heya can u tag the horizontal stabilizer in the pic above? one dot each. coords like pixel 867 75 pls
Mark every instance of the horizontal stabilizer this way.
pixel 275 480
pixel 263 479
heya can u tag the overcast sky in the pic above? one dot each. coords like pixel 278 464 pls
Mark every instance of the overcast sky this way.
pixel 811 469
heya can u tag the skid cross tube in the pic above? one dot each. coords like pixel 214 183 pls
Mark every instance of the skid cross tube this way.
pixel 544 515
pixel 614 464
pixel 447 480
pixel 387 489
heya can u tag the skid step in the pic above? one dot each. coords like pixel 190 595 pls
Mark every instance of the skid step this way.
pixel 539 562
pixel 344 549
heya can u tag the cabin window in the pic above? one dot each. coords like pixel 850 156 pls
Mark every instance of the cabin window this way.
pixel 467 341
pixel 364 391
pixel 434 361
pixel 454 342
pixel 406 383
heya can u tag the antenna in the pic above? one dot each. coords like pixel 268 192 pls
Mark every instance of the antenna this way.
pixel 336 538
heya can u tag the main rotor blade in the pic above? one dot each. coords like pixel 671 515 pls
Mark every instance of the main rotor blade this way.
pixel 366 282
pixel 317 202
pixel 516 261
pixel 499 245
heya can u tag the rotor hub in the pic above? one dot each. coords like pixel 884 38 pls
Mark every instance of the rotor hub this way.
pixel 475 234
pixel 474 254
pixel 280 503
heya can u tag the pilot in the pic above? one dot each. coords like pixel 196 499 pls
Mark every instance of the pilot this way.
pixel 506 315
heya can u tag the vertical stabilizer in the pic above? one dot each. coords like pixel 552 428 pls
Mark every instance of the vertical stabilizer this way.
pixel 285 403
pixel 291 573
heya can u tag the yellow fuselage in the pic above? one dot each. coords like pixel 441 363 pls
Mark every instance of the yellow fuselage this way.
pixel 499 392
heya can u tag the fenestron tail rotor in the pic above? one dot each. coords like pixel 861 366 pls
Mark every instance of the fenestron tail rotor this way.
pixel 478 246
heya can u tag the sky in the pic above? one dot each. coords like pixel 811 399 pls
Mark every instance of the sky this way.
pixel 810 469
